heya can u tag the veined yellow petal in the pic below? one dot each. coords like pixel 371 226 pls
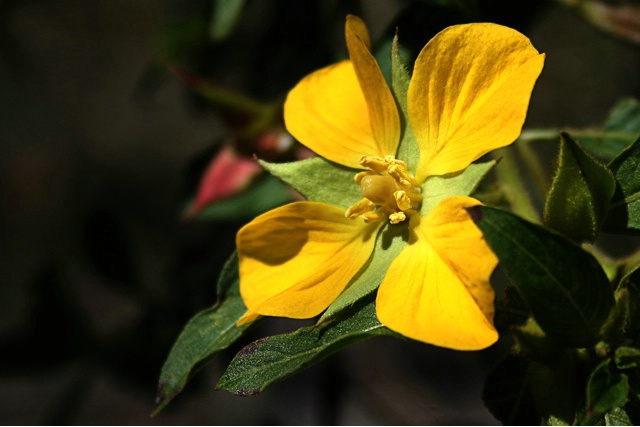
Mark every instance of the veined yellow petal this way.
pixel 383 111
pixel 437 290
pixel 295 260
pixel 469 94
pixel 327 112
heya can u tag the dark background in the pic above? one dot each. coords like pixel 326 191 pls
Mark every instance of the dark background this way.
pixel 99 150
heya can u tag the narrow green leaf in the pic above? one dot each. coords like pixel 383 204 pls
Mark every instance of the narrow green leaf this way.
pixel 319 180
pixel 408 150
pixel 606 390
pixel 272 359
pixel 225 15
pixel 579 198
pixel 564 286
pixel 265 194
pixel 507 395
pixel 625 205
pixel 619 130
pixel 208 332
pixel 437 188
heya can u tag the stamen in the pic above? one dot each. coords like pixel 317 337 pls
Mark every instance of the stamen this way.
pixel 389 191
pixel 402 200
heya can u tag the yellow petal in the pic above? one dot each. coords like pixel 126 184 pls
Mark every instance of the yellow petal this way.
pixel 328 113
pixel 437 290
pixel 469 94
pixel 295 260
pixel 360 28
pixel 383 111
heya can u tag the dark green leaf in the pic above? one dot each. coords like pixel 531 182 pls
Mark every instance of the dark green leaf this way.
pixel 265 194
pixel 272 359
pixel 506 393
pixel 624 321
pixel 580 194
pixel 564 286
pixel 625 205
pixel 319 180
pixel 606 390
pixel 621 128
pixel 208 332
pixel 554 389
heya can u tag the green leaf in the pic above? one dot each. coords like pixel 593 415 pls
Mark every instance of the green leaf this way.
pixel 617 417
pixel 408 150
pixel 625 205
pixel 579 198
pixel 208 332
pixel 224 18
pixel 437 188
pixel 564 286
pixel 272 359
pixel 606 390
pixel 319 180
pixel 620 129
pixel 506 393
pixel 267 193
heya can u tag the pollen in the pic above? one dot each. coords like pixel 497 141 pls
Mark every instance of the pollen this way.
pixel 389 191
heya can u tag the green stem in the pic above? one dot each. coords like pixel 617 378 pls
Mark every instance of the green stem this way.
pixel 219 96
pixel 513 186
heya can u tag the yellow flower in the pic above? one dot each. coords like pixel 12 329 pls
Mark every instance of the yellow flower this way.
pixel 468 95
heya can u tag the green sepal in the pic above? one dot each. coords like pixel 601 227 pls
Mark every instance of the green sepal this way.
pixel 619 130
pixel 437 188
pixel 578 201
pixel 274 358
pixel 408 150
pixel 607 389
pixel 392 238
pixel 319 180
pixel 207 333
pixel 624 214
pixel 390 241
pixel 563 285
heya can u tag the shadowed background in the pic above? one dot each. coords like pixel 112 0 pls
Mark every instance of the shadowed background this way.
pixel 100 148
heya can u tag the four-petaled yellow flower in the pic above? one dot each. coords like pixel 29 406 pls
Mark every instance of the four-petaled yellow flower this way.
pixel 468 95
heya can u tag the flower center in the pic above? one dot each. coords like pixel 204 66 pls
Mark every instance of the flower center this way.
pixel 388 190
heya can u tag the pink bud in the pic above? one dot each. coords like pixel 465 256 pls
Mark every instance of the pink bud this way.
pixel 227 174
